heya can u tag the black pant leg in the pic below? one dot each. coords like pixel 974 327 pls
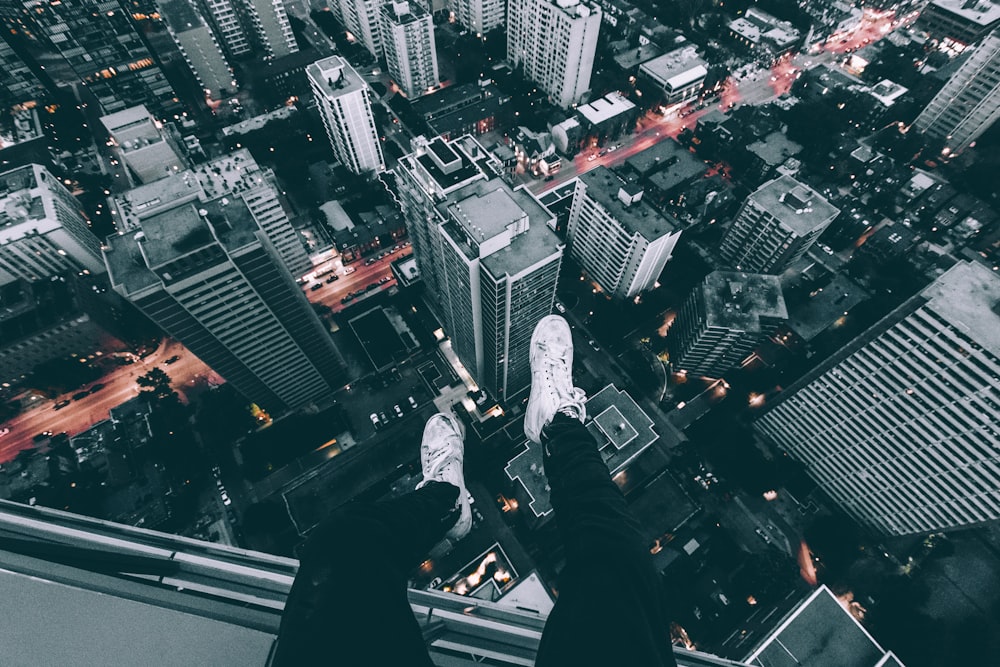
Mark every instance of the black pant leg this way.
pixel 348 604
pixel 610 609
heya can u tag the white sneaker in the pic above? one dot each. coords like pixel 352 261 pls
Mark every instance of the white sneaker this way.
pixel 552 387
pixel 442 451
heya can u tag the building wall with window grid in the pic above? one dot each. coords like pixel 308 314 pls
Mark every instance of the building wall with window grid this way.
pixel 904 431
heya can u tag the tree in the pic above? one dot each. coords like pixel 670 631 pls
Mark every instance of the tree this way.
pixel 156 384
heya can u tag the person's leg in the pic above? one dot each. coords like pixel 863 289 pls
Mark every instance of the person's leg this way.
pixel 348 604
pixel 609 609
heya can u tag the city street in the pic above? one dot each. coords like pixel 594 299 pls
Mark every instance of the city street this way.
pixel 188 374
pixel 330 294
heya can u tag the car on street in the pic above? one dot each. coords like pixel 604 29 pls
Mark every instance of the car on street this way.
pixel 96 388
pixel 348 270
pixel 42 436
pixel 375 419
pixel 316 287
pixel 173 360
pixel 413 402
pixel 4 431
pixel 384 419
pixel 593 344
pixel 399 410
pixel 592 157
pixel 61 404
pixel 347 298
pixel 561 308
pixel 332 279
pixel 80 395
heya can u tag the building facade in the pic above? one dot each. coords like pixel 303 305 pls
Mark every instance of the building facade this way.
pixel 487 254
pixel 408 40
pixel 363 19
pixel 228 26
pixel 210 277
pixel 480 16
pixel 776 225
pixel 199 47
pixel 957 24
pixel 902 426
pixel 18 84
pixel 345 105
pixel 269 27
pixel 969 103
pixel 554 42
pixel 723 320
pixel 619 240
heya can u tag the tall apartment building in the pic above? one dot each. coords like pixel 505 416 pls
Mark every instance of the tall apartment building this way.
pixel 723 320
pixel 776 225
pixel 18 84
pixel 480 16
pixel 345 105
pixel 901 427
pixel 226 22
pixel 363 19
pixel 207 273
pixel 236 175
pixel 47 252
pixel 103 49
pixel 616 237
pixel 969 103
pixel 408 40
pixel 554 41
pixel 487 253
pixel 199 47
pixel 270 30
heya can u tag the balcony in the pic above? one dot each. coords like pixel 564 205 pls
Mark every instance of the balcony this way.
pixel 79 590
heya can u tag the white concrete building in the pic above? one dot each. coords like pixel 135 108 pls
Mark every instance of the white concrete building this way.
pixel 619 240
pixel 776 225
pixel 679 74
pixel 969 103
pixel 43 232
pixel 207 273
pixel 344 101
pixel 554 41
pixel 408 40
pixel 480 16
pixel 199 47
pixel 902 426
pixel 270 28
pixel 487 253
pixel 363 19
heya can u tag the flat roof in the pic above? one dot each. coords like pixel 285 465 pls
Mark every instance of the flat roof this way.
pixel 334 76
pixel 797 206
pixel 775 148
pixel 819 633
pixel 126 117
pixel 605 108
pixel 982 13
pixel 639 218
pixel 739 301
pixel 968 296
pixel 640 54
pixel 180 15
pixel 677 68
pixel 810 318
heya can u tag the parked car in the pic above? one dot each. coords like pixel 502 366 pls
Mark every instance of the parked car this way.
pixel 173 360
pixel 4 430
pixel 375 419
pixel 332 279
pixel 61 404
pixel 316 287
pixel 80 395
pixel 96 388
pixel 348 270
pixel 413 402
pixel 561 308
pixel 399 410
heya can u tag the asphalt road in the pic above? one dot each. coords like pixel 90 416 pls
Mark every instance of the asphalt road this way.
pixel 361 277
pixel 188 374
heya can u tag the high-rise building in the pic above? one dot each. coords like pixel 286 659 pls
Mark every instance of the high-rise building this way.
pixel 363 19
pixel 776 225
pixel 142 143
pixel 480 16
pixel 233 176
pixel 104 51
pixel 43 232
pixel 956 24
pixel 345 105
pixel 408 39
pixel 487 253
pixel 901 427
pixel 199 47
pixel 554 41
pixel 723 320
pixel 208 275
pixel 18 84
pixel 228 26
pixel 269 27
pixel 615 236
pixel 969 103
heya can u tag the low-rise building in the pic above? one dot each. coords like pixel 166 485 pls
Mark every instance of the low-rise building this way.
pixel 677 76
pixel 142 144
pixel 763 34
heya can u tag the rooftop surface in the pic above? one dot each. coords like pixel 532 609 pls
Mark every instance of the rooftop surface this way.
pixel 982 13
pixel 819 633
pixel 775 148
pixel 335 77
pixel 814 316
pixel 968 296
pixel 676 68
pixel 738 301
pixel 180 15
pixel 605 108
pixel 640 54
pixel 801 212
pixel 639 218
pixel 658 156
pixel 402 13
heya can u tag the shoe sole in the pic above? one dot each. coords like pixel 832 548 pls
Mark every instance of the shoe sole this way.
pixel 464 523
pixel 532 397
